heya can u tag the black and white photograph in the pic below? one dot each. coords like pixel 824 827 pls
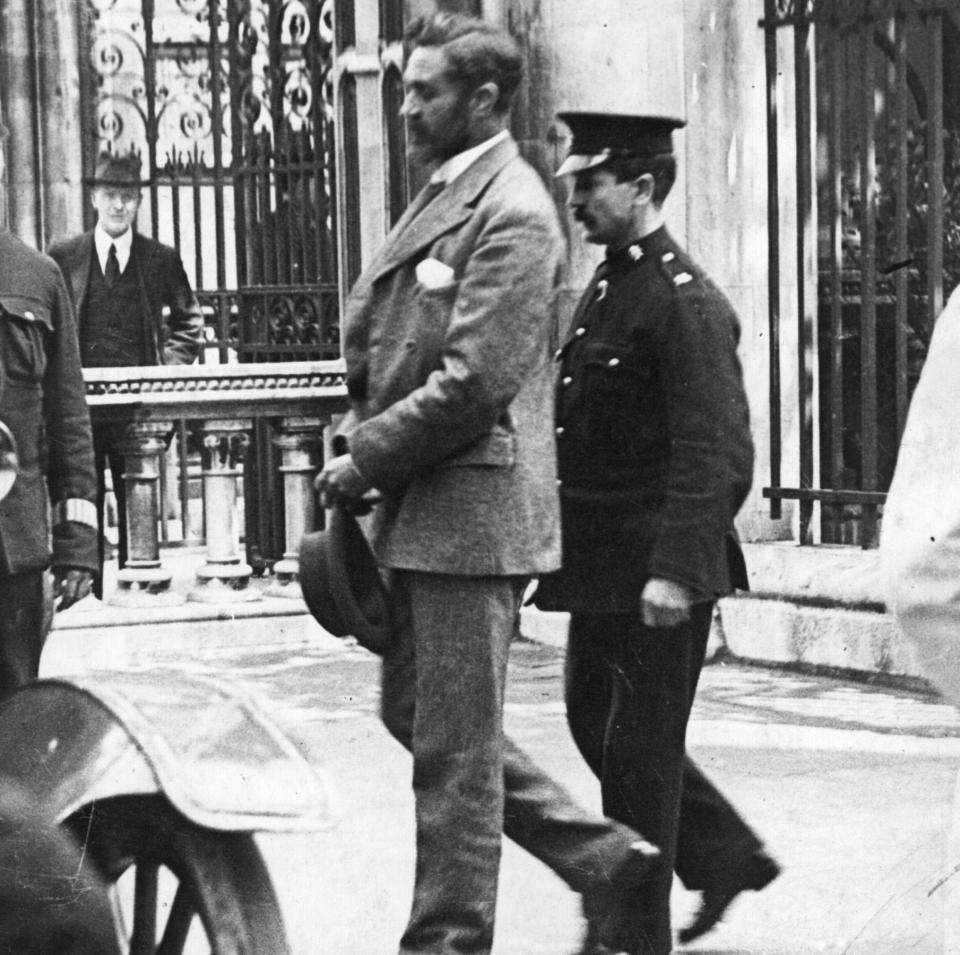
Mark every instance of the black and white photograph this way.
pixel 479 477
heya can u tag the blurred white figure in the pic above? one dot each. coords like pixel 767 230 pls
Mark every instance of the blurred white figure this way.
pixel 920 540
pixel 920 546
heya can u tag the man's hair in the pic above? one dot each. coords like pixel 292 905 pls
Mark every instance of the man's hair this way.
pixel 478 52
pixel 662 166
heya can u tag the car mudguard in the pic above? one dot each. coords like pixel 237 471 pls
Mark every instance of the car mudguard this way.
pixel 209 747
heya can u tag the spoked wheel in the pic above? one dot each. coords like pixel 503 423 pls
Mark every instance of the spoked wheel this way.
pixel 179 889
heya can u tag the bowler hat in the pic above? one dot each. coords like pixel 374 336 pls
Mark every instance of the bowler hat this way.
pixel 341 582
pixel 598 137
pixel 113 170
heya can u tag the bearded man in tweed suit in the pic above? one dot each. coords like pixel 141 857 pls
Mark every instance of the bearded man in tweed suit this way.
pixel 450 380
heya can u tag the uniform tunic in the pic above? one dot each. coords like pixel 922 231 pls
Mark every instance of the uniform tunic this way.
pixel 653 435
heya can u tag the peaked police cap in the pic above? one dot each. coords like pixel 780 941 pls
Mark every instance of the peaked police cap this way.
pixel 597 137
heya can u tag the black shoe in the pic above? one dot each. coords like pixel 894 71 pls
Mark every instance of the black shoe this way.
pixel 605 906
pixel 757 874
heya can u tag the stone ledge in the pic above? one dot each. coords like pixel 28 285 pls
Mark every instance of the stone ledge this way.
pixel 824 575
pixel 781 633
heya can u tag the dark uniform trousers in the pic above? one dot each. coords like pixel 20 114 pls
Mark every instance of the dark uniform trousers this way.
pixel 24 622
pixel 629 691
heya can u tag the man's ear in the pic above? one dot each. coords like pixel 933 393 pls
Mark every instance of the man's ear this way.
pixel 644 185
pixel 485 99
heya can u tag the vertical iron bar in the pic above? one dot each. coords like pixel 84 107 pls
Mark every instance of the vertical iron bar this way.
pixel 175 204
pixel 835 165
pixel 216 112
pixel 773 249
pixel 263 188
pixel 239 145
pixel 150 81
pixel 197 216
pixel 805 308
pixel 868 275
pixel 902 317
pixel 935 220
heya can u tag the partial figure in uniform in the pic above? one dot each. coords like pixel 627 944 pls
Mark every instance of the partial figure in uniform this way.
pixel 446 341
pixel 655 459
pixel 49 517
pixel 121 284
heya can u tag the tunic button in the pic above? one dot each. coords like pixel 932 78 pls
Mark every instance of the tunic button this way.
pixel 29 316
pixel 580 332
pixel 559 483
pixel 613 362
pixel 561 431
pixel 567 382
pixel 558 354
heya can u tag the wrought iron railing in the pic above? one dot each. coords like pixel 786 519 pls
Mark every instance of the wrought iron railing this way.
pixel 877 147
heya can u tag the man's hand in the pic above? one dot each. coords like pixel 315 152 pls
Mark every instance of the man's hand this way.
pixel 665 603
pixel 70 585
pixel 340 484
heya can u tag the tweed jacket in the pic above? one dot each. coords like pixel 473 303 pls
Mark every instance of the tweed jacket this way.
pixel 43 403
pixel 163 283
pixel 653 430
pixel 920 535
pixel 450 377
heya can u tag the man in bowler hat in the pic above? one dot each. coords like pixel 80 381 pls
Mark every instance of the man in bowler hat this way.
pixel 450 382
pixel 121 283
pixel 655 459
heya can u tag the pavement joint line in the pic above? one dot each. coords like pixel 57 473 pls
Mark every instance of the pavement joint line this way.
pixel 740 734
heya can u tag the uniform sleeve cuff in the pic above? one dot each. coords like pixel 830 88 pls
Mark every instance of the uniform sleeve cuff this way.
pixel 78 510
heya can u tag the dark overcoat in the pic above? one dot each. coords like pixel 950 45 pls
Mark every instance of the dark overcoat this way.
pixel 174 340
pixel 450 376
pixel 653 431
pixel 43 403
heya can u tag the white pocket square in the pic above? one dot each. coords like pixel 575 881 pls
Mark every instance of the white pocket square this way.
pixel 433 274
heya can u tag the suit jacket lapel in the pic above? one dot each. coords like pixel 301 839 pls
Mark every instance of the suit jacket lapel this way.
pixel 418 229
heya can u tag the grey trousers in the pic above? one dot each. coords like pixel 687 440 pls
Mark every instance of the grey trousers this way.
pixel 443 688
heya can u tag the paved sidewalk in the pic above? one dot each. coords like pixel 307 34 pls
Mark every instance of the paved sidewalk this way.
pixel 851 785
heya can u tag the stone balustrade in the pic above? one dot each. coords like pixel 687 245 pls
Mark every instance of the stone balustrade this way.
pixel 300 398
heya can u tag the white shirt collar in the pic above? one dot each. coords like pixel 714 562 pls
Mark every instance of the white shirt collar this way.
pixel 124 244
pixel 456 165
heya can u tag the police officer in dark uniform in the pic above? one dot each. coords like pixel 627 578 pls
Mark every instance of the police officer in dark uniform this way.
pixel 655 459
pixel 42 402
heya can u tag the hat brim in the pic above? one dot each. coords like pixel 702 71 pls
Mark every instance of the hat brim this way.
pixel 92 181
pixel 579 163
pixel 342 585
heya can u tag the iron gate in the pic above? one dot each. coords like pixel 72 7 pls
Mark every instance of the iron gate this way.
pixel 876 135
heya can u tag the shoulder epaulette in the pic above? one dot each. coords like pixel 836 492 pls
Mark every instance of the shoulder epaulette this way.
pixel 674 269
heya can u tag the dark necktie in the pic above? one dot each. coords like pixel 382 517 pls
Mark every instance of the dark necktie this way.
pixel 112 273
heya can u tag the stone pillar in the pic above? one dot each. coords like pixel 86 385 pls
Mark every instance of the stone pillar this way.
pixel 143 581
pixel 224 577
pixel 299 443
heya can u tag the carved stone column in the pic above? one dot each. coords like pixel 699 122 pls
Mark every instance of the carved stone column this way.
pixel 143 581
pixel 225 576
pixel 299 442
